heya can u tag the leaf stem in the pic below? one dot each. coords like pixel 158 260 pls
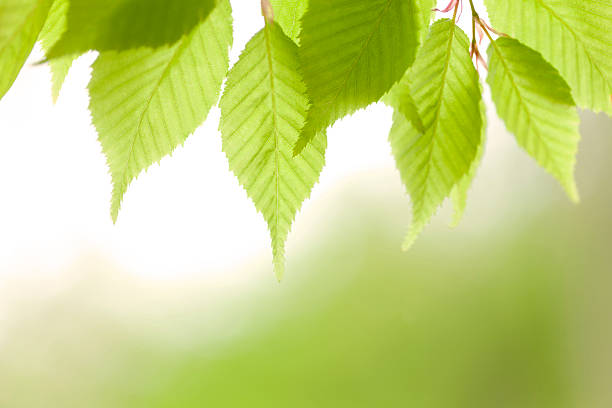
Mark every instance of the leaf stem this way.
pixel 455 11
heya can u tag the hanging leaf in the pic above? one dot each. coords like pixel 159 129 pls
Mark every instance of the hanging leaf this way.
pixel 446 90
pixel 542 117
pixel 352 52
pixel 145 102
pixel 574 36
pixel 263 110
pixel 52 31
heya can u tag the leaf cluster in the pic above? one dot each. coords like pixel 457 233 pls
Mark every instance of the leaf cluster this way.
pixel 162 64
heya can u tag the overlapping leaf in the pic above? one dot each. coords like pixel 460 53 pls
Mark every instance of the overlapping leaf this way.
pixel 126 24
pixel 459 195
pixel 446 91
pixel 288 14
pixel 352 52
pixel 20 24
pixel 52 31
pixel 573 35
pixel 537 106
pixel 263 109
pixel 146 102
pixel 400 99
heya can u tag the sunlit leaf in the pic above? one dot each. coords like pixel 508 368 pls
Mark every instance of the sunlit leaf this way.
pixel 146 102
pixel 263 109
pixel 446 89
pixel 352 52
pixel 537 106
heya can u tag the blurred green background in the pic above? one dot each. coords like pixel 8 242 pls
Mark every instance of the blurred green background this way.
pixel 508 310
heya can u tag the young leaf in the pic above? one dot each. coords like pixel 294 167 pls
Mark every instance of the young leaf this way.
pixel 537 106
pixel 574 36
pixel 116 25
pixel 352 52
pixel 146 102
pixel 288 14
pixel 263 109
pixel 20 24
pixel 52 31
pixel 446 90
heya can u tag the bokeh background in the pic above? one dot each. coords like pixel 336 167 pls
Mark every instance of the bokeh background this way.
pixel 177 305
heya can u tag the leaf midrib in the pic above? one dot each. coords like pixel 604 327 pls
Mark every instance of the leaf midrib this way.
pixel 274 128
pixel 522 103
pixel 439 107
pixel 183 44
pixel 361 52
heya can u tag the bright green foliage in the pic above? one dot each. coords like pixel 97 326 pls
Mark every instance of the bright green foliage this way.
pixel 262 111
pixel 126 24
pixel 537 106
pixel 52 31
pixel 20 24
pixel 146 102
pixel 459 195
pixel 446 90
pixel 162 63
pixel 352 52
pixel 288 14
pixel 575 36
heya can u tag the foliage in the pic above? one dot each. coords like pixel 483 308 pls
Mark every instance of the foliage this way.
pixel 161 66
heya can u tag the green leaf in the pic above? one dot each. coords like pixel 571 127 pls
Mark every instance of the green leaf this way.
pixel 263 109
pixel 20 24
pixel 446 89
pixel 288 14
pixel 117 25
pixel 146 102
pixel 352 52
pixel 537 106
pixel 51 33
pixel 573 35
pixel 459 195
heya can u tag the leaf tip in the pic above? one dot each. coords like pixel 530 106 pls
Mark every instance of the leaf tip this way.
pixel 279 269
pixel 572 192
pixel 409 240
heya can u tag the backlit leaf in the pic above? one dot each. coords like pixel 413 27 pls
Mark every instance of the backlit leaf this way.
pixel 352 52
pixel 263 109
pixel 537 106
pixel 446 89
pixel 146 102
